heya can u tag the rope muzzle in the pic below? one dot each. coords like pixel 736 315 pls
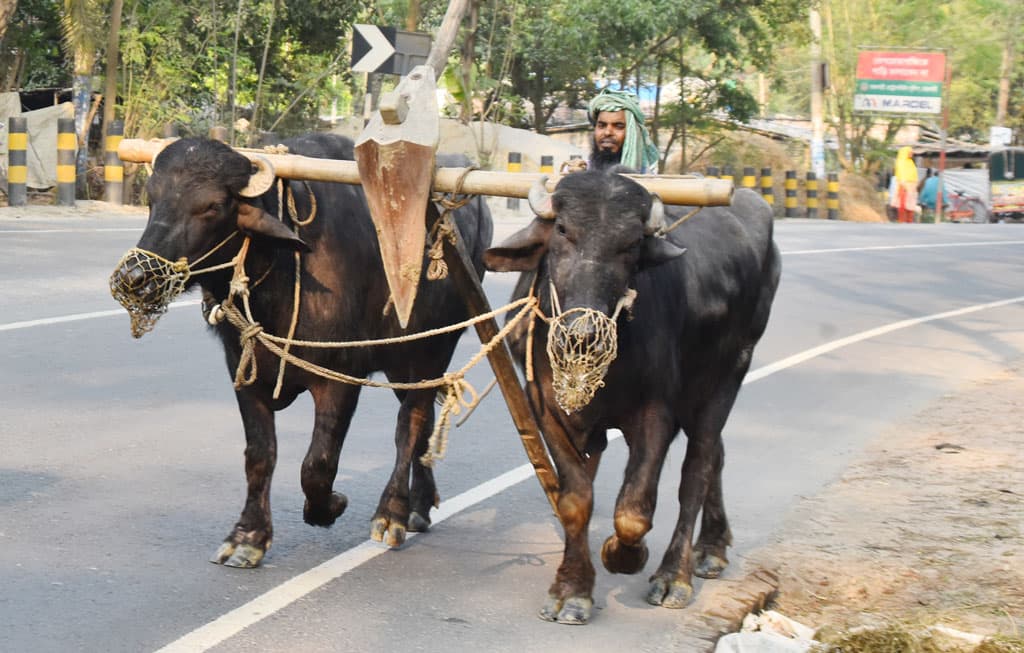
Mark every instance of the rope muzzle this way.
pixel 582 343
pixel 145 283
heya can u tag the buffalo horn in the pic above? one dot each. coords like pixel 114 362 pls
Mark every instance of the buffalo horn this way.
pixel 261 180
pixel 540 199
pixel 656 221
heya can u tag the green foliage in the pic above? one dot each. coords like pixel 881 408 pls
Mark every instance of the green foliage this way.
pixel 30 51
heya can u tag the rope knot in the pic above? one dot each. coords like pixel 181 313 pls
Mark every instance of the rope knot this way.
pixel 247 370
pixel 458 394
pixel 444 230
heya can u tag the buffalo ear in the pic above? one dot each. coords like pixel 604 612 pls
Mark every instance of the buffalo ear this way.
pixel 656 250
pixel 254 221
pixel 522 250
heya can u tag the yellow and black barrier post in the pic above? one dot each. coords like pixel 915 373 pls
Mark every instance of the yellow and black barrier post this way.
pixel 832 198
pixel 767 189
pixel 812 194
pixel 749 179
pixel 67 149
pixel 790 200
pixel 726 173
pixel 113 169
pixel 17 161
pixel 515 164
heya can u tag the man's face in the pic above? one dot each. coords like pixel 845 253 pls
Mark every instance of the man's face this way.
pixel 610 131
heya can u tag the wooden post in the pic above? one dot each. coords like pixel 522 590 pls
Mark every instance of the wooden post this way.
pixel 460 267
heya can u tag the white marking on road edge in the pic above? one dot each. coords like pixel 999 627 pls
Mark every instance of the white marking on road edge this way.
pixel 67 231
pixel 46 321
pixel 875 248
pixel 207 636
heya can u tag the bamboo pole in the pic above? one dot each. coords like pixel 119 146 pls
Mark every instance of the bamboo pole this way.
pixel 672 189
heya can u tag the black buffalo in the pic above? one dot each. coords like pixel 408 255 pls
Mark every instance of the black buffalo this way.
pixel 197 200
pixel 681 358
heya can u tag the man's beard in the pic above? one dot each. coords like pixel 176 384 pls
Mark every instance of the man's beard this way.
pixel 601 159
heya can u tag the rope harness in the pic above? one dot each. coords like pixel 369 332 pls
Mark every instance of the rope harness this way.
pixel 581 345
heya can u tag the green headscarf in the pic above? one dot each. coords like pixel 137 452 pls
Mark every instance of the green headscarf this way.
pixel 638 151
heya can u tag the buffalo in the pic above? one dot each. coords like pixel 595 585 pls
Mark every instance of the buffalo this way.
pixel 679 347
pixel 204 198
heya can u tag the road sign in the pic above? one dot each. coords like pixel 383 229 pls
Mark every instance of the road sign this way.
pixel 900 82
pixel 372 48
pixel 388 50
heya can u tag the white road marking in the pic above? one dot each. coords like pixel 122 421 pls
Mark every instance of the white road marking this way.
pixel 876 248
pixel 46 321
pixel 67 231
pixel 277 598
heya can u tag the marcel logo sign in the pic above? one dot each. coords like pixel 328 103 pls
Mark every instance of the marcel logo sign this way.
pixel 897 104
pixel 900 82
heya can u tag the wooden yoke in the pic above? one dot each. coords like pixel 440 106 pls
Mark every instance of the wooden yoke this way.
pixel 396 156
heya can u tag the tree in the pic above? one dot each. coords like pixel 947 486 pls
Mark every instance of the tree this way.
pixel 112 57
pixel 80 29
pixel 7 8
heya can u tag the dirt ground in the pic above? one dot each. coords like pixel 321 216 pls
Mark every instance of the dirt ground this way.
pixel 926 527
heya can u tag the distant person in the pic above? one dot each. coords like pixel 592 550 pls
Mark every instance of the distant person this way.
pixel 905 199
pixel 930 191
pixel 619 136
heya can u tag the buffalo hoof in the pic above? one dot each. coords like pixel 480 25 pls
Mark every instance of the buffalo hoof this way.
pixel 620 558
pixel 669 594
pixel 710 566
pixel 573 611
pixel 391 533
pixel 240 556
pixel 325 515
pixel 418 523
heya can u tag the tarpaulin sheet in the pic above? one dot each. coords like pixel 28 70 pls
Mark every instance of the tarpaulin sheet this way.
pixel 42 138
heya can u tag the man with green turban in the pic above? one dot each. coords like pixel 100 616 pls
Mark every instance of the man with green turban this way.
pixel 620 137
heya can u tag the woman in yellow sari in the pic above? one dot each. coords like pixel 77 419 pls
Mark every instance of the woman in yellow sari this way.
pixel 905 198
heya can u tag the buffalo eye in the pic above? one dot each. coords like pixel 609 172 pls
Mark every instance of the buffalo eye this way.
pixel 560 228
pixel 210 210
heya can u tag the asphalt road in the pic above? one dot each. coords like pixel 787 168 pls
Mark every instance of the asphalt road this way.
pixel 121 459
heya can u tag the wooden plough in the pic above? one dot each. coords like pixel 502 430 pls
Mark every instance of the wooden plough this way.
pixel 395 163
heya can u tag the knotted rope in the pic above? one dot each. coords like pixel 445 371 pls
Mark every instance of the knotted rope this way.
pixel 444 228
pixel 458 393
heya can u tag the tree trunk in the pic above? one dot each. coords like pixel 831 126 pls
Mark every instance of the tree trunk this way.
pixel 468 51
pixel 254 131
pixel 233 88
pixel 7 8
pixel 1005 73
pixel 113 54
pixel 412 17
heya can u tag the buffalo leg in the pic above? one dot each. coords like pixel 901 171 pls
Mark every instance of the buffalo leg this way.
pixel 252 535
pixel 335 403
pixel 625 552
pixel 415 422
pixel 570 599
pixel 671 586
pixel 715 536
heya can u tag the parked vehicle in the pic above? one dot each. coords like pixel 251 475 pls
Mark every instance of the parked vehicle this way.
pixel 964 207
pixel 1006 177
